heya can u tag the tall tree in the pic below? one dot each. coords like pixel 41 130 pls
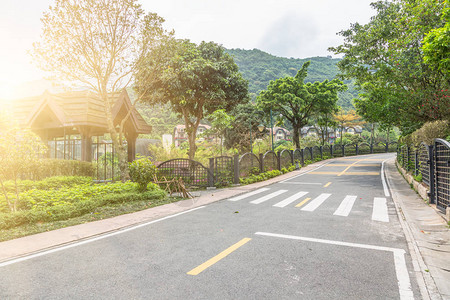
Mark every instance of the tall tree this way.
pixel 346 118
pixel 385 56
pixel 298 101
pixel 195 79
pixel 99 44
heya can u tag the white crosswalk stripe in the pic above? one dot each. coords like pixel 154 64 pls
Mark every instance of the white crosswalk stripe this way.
pixel 291 199
pixel 267 197
pixel 346 206
pixel 380 210
pixel 246 195
pixel 311 206
pixel 379 213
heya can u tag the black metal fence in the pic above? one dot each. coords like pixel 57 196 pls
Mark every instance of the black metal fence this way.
pixel 226 170
pixel 431 163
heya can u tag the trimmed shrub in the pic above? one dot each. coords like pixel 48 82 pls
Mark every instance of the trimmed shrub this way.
pixel 142 171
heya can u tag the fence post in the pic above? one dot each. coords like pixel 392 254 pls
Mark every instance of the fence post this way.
pixel 357 150
pixel 321 152
pixel 387 147
pixel 211 173
pixel 261 163
pixel 408 158
pixel 236 168
pixel 371 148
pixel 278 160
pixel 343 150
pixel 431 164
pixel 302 161
pixel 416 162
pixel 292 156
pixel 331 150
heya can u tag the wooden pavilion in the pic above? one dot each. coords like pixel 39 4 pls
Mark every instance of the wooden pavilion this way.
pixel 81 114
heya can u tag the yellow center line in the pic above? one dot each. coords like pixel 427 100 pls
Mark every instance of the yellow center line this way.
pixel 218 257
pixel 303 202
pixel 326 185
pixel 349 167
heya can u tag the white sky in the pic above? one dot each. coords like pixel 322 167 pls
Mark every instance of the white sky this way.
pixel 288 28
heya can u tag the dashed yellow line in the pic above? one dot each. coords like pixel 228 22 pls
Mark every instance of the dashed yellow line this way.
pixel 303 202
pixel 218 257
pixel 340 174
pixel 326 185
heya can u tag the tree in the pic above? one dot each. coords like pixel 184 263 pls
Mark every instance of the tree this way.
pixel 436 45
pixel 247 118
pixel 345 119
pixel 19 149
pixel 195 79
pixel 386 60
pixel 99 44
pixel 220 122
pixel 297 101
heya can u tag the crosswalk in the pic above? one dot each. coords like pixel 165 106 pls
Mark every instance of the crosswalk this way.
pixel 379 210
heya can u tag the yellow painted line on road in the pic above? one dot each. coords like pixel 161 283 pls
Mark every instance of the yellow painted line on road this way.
pixel 218 257
pixel 343 172
pixel 346 173
pixel 326 185
pixel 362 173
pixel 358 165
pixel 363 159
pixel 303 202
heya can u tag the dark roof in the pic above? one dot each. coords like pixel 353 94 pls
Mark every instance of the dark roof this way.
pixel 69 113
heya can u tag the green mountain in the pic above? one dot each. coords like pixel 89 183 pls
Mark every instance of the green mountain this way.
pixel 259 68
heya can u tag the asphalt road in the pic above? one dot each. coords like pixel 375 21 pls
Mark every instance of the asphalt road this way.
pixel 332 233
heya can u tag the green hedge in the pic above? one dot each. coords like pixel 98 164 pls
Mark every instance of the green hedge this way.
pixel 55 182
pixel 44 168
pixel 64 211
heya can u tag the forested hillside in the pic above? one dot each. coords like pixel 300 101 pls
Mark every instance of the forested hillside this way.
pixel 259 68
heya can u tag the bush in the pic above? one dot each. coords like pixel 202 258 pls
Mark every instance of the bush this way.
pixel 429 131
pixel 44 168
pixel 65 210
pixel 142 171
pixel 55 182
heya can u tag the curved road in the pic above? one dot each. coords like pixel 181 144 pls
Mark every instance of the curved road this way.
pixel 332 233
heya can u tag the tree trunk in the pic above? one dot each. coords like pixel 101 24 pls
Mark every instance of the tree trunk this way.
pixel 296 136
pixel 117 138
pixel 192 135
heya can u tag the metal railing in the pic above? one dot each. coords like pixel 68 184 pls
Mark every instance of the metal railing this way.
pixel 431 165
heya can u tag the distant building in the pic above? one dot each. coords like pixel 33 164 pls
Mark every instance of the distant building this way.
pixel 280 133
pixel 180 136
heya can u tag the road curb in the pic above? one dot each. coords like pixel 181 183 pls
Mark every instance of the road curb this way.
pixel 427 285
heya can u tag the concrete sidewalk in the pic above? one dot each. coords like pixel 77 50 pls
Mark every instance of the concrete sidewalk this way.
pixel 427 233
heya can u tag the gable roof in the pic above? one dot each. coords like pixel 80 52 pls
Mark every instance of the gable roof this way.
pixel 54 112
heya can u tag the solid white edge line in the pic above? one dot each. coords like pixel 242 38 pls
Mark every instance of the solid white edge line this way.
pixel 284 181
pixel 383 180
pixel 401 270
pixel 426 283
pixel 89 240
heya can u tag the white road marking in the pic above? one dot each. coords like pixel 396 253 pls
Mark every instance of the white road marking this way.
pixel 401 271
pixel 284 181
pixel 306 183
pixel 90 240
pixel 291 199
pixel 267 197
pixel 380 210
pixel 383 180
pixel 240 197
pixel 346 206
pixel 311 206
